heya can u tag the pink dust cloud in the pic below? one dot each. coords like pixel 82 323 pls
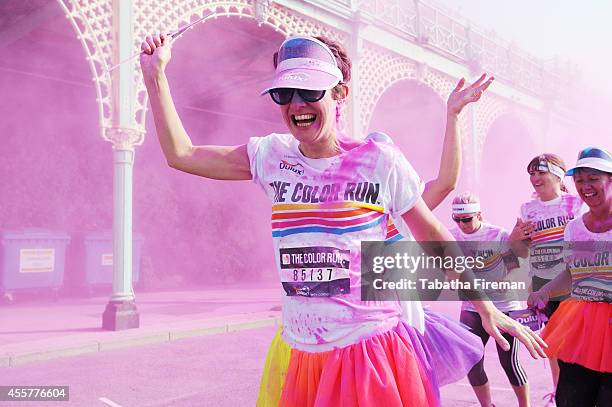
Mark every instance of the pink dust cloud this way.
pixel 57 171
pixel 414 116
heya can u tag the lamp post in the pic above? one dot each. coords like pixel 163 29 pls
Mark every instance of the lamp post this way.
pixel 125 134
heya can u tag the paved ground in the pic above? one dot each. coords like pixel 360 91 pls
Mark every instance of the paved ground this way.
pixel 215 370
pixel 31 319
pixel 184 354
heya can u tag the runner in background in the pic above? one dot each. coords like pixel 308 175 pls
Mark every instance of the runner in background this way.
pixel 538 233
pixel 579 333
pixel 436 190
pixel 498 262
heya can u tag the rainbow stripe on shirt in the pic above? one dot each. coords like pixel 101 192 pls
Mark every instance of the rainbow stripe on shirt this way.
pixel 333 218
pixel 490 263
pixel 551 235
pixel 392 233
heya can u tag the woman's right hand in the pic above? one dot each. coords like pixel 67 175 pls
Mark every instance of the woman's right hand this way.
pixel 538 299
pixel 522 230
pixel 155 55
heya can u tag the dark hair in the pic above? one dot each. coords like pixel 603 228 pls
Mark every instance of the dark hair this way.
pixel 549 158
pixel 342 59
pixel 582 169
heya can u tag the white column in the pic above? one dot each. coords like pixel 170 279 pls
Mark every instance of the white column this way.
pixel 122 224
pixel 121 312
pixel 469 137
pixel 355 96
pixel 124 97
pixel 475 155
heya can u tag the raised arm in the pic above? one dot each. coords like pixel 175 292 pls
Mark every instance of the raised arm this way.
pixel 217 162
pixel 450 166
pixel 450 163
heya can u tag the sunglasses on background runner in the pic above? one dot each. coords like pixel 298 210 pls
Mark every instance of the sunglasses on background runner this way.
pixel 464 220
pixel 283 96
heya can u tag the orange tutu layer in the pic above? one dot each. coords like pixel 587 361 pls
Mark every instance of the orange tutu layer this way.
pixel 384 370
pixel 581 332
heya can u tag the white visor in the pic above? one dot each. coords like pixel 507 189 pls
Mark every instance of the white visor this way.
pixel 460 209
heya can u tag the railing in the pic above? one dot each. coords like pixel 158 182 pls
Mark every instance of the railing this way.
pixel 445 32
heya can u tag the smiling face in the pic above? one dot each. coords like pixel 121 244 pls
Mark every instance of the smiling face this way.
pixel 313 122
pixel 546 173
pixel 545 184
pixel 594 187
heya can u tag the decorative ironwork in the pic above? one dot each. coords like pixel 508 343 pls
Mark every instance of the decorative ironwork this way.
pixel 381 69
pixel 432 27
pixel 489 109
pixel 123 138
pixel 92 21
pixel 262 8
pixel 446 33
pixel 400 14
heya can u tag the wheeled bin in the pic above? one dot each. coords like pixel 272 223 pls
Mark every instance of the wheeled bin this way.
pixel 99 258
pixel 32 259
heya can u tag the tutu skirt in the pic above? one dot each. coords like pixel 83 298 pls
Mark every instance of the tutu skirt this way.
pixel 399 367
pixel 581 332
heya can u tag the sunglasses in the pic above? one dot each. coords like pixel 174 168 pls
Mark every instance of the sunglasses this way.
pixel 283 96
pixel 464 220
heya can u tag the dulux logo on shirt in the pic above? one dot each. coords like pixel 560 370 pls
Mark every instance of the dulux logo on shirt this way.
pixel 296 168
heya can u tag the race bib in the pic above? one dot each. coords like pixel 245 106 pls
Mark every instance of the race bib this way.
pixel 315 271
pixel 546 257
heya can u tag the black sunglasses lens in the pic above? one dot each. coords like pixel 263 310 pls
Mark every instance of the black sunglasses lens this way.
pixel 464 220
pixel 282 96
pixel 311 95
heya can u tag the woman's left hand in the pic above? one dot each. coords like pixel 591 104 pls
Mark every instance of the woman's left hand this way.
pixel 495 322
pixel 538 299
pixel 461 96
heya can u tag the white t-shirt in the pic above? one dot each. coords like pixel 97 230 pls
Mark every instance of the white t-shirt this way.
pixel 396 228
pixel 412 311
pixel 590 264
pixel 550 217
pixel 495 249
pixel 321 211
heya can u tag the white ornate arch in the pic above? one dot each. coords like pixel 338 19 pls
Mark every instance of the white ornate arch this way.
pixel 381 69
pixel 92 21
pixel 491 108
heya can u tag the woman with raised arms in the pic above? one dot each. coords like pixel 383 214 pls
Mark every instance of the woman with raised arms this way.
pixel 333 348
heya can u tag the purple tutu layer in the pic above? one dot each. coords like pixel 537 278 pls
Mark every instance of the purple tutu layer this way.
pixel 423 354
pixel 451 349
